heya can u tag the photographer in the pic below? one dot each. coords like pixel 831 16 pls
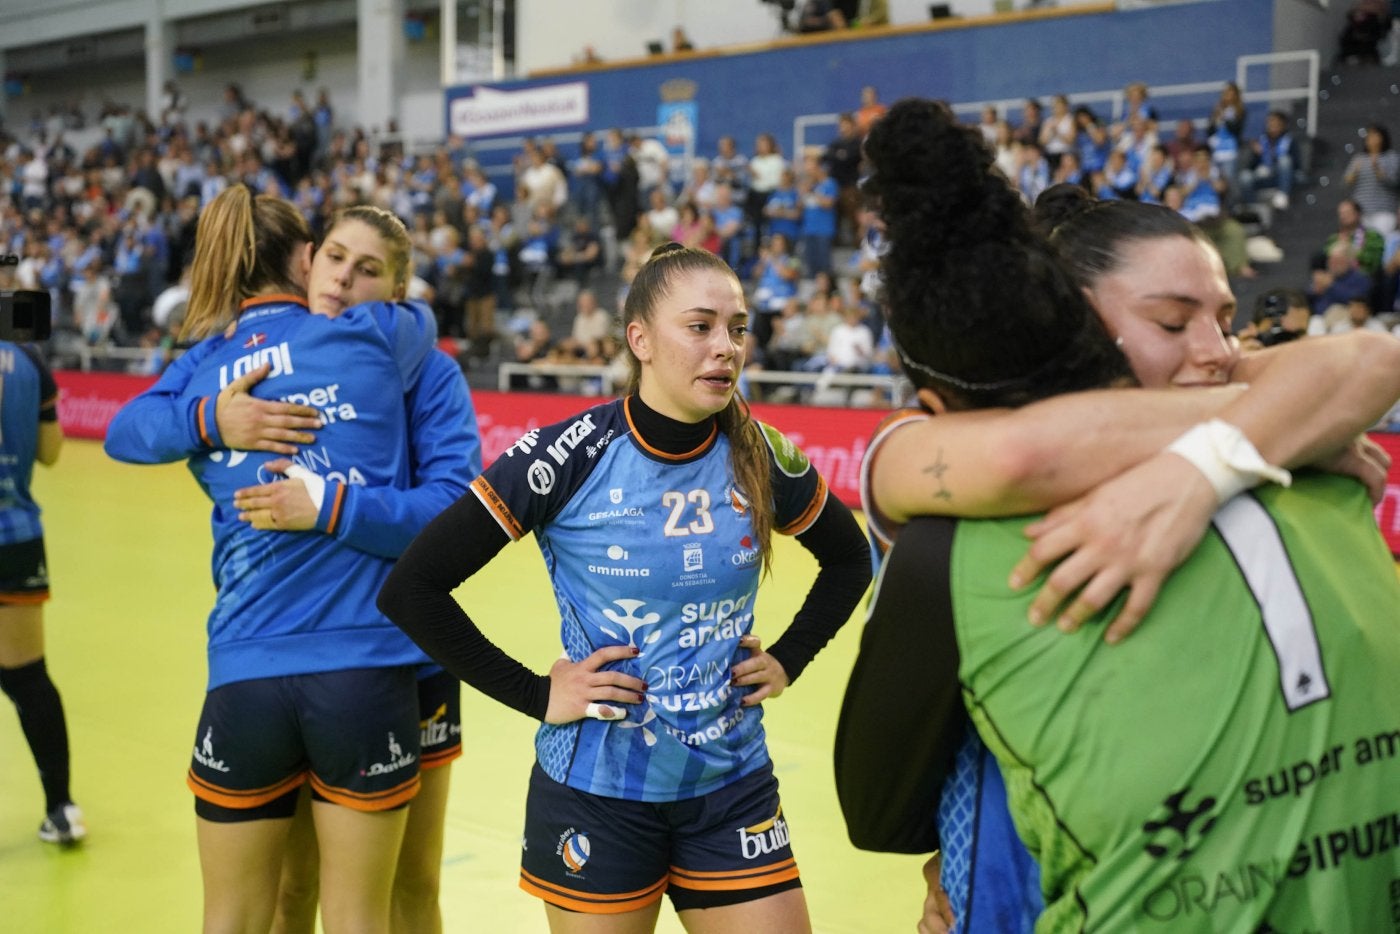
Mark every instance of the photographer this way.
pixel 1280 315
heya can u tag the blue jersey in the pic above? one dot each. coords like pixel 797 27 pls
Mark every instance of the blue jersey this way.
pixel 294 603
pixel 28 395
pixel 654 551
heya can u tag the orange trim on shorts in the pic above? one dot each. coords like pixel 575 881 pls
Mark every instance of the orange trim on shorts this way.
pixel 23 597
pixel 385 800
pixel 588 902
pixel 239 800
pixel 492 501
pixel 809 515
pixel 755 878
pixel 441 757
pixel 335 508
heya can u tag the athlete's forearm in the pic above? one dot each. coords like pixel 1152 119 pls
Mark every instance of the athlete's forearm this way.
pixel 417 597
pixel 1309 398
pixel 1007 462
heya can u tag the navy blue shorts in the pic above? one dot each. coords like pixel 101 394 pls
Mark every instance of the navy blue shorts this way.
pixel 24 573
pixel 353 735
pixel 584 852
pixel 439 719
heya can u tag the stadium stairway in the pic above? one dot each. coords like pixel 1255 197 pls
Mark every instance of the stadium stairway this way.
pixel 1351 96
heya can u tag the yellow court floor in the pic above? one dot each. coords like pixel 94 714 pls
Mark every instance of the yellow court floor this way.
pixel 128 555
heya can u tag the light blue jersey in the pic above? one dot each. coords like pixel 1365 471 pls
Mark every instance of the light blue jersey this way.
pixel 654 551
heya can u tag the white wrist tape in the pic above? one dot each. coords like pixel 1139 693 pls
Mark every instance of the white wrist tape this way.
pixel 1230 463
pixel 604 712
pixel 315 484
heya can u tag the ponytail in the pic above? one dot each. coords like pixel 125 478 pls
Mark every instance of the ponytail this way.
pixel 243 247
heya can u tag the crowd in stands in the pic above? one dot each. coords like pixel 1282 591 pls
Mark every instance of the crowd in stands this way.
pixel 503 257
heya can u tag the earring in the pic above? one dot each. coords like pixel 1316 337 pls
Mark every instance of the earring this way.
pixel 1118 342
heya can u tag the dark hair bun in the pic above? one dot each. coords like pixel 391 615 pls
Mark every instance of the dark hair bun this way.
pixel 1059 203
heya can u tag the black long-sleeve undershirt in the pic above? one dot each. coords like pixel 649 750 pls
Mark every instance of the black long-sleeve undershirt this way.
pixel 465 537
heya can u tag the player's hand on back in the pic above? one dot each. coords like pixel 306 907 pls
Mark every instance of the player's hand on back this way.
pixel 1129 532
pixel 247 423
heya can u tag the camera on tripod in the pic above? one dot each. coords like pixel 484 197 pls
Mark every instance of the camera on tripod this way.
pixel 25 314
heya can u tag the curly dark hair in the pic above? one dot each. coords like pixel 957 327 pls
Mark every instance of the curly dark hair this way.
pixel 977 300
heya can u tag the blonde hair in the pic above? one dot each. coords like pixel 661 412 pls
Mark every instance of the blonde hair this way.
pixel 748 449
pixel 243 247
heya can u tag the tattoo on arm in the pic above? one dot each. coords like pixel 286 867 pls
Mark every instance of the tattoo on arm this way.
pixel 936 470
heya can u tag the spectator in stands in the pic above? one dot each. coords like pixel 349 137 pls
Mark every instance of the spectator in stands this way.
pixel 728 219
pixel 731 167
pixel 1367 246
pixel 842 157
pixel 1058 131
pixel 791 343
pixel 451 268
pixel 1069 170
pixel 1091 140
pixel 585 180
pixel 1337 281
pixel 1202 190
pixel 580 252
pixel 1228 113
pixel 1136 104
pixel 1374 175
pixel 776 275
pixel 680 42
pixel 699 189
pixel 662 216
pixel 1280 315
pixel 1181 147
pixel 480 192
pixel 850 347
pixel 535 344
pixel 870 109
pixel 480 293
pixel 1367 23
pixel 653 165
pixel 818 225
pixel 1033 172
pixel 765 174
pixel 591 325
pixel 1274 163
pixel 691 229
pixel 988 124
pixel 545 186
pixel 1032 117
pixel 783 212
pixel 819 16
pixel 92 304
pixel 1154 175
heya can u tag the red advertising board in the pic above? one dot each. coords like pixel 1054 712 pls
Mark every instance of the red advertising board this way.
pixel 834 439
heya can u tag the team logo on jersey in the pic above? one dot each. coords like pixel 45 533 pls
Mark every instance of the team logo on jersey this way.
pixel 692 557
pixel 791 460
pixel 648 735
pixel 279 356
pixel 747 555
pixel 540 476
pixel 737 501
pixel 204 753
pixel 398 759
pixel 618 553
pixel 573 849
pixel 255 340
pixel 1181 821
pixel 631 622
pixel 615 495
pixel 765 838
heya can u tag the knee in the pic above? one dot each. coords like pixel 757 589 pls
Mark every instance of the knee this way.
pixel 25 681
